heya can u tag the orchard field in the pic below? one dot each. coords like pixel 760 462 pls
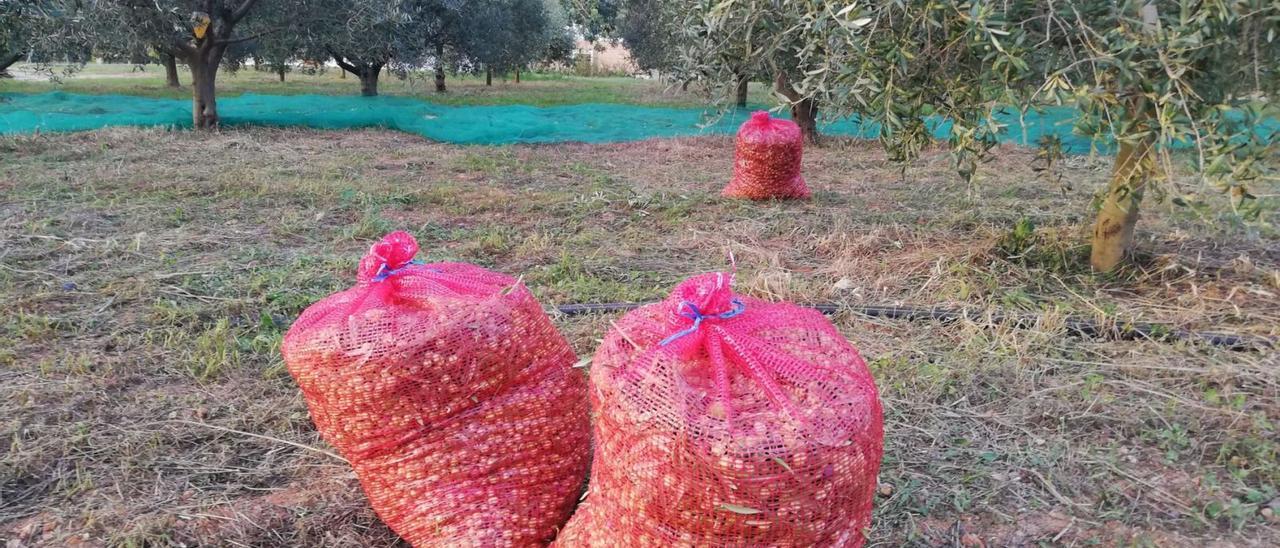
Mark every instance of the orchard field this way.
pixel 149 274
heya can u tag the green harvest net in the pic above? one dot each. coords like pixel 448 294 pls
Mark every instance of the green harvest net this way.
pixel 481 125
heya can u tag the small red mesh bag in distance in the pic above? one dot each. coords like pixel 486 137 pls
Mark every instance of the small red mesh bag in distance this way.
pixel 453 396
pixel 723 420
pixel 766 163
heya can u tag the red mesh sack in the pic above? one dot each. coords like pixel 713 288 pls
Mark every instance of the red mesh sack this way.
pixel 723 420
pixel 452 395
pixel 766 163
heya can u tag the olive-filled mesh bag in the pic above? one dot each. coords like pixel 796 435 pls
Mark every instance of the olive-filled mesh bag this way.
pixel 766 161
pixel 723 420
pixel 452 395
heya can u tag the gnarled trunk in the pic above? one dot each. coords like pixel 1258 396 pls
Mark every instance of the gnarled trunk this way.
pixel 367 72
pixel 280 72
pixel 170 70
pixel 440 68
pixel 741 99
pixel 369 79
pixel 488 76
pixel 204 103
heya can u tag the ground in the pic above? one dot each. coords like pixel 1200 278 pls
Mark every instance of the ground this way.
pixel 149 275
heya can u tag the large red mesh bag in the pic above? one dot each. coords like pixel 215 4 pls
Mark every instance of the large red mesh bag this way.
pixel 452 395
pixel 724 420
pixel 766 163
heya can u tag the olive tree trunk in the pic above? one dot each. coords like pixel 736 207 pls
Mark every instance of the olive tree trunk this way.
pixel 488 76
pixel 204 54
pixel 170 70
pixel 440 88
pixel 280 72
pixel 369 79
pixel 805 115
pixel 741 99
pixel 1114 227
pixel 804 110
pixel 204 101
pixel 367 72
pixel 1135 166
pixel 517 76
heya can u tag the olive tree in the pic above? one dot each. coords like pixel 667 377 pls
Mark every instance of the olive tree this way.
pixel 274 52
pixel 1145 77
pixel 199 33
pixel 651 30
pixel 654 33
pixel 442 29
pixel 1154 75
pixel 471 35
pixel 365 36
pixel 506 35
pixel 723 42
pixel 560 35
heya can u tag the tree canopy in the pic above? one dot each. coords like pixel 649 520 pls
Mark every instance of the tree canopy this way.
pixel 651 31
pixel 364 36
pixel 722 42
pixel 595 18
pixel 472 35
pixel 41 30
pixel 504 35
pixel 559 35
pixel 15 32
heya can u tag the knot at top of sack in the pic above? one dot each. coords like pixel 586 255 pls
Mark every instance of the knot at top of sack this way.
pixel 387 257
pixel 704 297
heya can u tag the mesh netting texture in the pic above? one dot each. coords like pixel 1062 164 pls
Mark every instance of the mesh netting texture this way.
pixel 723 420
pixel 452 395
pixel 766 161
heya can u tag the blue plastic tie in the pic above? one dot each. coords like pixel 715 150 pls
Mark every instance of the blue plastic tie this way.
pixel 697 316
pixel 383 273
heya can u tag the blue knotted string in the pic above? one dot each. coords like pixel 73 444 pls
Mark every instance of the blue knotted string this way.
pixel 383 273
pixel 697 316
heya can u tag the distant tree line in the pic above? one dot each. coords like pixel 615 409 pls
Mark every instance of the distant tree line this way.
pixel 363 37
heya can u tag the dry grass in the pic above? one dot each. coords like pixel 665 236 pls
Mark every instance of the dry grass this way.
pixel 149 276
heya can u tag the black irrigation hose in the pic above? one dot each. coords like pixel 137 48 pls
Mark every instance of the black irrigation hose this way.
pixel 1076 326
